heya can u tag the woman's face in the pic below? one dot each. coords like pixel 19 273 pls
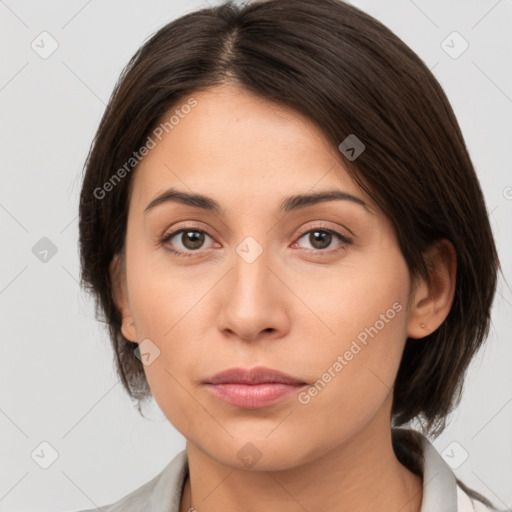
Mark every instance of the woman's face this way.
pixel 257 284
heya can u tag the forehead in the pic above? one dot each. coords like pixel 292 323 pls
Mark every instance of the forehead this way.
pixel 234 142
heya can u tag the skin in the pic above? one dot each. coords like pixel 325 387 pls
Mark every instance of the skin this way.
pixel 289 309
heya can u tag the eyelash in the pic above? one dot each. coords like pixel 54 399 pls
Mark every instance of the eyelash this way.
pixel 317 252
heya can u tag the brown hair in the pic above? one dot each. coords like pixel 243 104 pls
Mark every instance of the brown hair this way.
pixel 348 74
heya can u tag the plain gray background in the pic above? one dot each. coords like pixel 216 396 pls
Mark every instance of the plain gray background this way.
pixel 58 383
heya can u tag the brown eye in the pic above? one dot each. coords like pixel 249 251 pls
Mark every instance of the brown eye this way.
pixel 185 241
pixel 192 239
pixel 321 240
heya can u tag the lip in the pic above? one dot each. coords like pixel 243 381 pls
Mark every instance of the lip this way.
pixel 252 388
pixel 258 375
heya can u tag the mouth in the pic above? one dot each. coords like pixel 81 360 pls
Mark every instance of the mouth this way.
pixel 252 388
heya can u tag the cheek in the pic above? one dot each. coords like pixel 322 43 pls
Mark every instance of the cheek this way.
pixel 354 380
pixel 365 356
pixel 172 394
pixel 162 295
pixel 364 311
pixel 364 298
pixel 168 311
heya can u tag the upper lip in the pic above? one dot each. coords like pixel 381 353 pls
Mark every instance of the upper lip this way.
pixel 258 375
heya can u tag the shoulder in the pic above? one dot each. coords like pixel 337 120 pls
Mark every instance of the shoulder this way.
pixel 130 502
pixel 467 503
pixel 160 494
pixel 442 490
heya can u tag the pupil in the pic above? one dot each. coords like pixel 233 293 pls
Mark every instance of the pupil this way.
pixel 325 239
pixel 192 239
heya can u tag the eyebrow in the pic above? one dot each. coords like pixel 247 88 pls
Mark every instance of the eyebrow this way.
pixel 290 203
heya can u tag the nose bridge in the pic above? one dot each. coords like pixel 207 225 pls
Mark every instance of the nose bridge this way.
pixel 252 302
pixel 251 275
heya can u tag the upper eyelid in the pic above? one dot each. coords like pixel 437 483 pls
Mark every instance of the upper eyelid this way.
pixel 325 227
pixel 306 229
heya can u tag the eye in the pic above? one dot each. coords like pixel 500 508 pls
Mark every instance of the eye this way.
pixel 187 241
pixel 320 238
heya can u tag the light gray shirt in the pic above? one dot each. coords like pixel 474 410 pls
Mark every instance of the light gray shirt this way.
pixel 441 491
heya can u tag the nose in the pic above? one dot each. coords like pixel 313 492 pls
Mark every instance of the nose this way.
pixel 253 300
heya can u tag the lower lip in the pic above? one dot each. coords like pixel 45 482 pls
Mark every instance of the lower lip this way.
pixel 253 396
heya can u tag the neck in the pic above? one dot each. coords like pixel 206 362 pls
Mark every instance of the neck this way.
pixel 360 474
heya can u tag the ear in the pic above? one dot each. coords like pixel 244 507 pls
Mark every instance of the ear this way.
pixel 431 304
pixel 117 272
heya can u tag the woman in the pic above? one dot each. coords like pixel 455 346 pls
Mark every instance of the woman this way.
pixel 286 236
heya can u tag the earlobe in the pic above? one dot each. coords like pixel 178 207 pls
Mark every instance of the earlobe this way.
pixel 120 297
pixel 431 304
